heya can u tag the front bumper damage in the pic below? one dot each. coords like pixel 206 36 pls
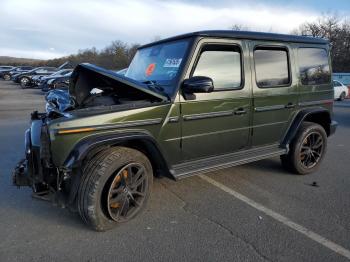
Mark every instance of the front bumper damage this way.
pixel 36 169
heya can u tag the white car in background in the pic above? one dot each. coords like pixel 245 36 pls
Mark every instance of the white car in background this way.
pixel 340 90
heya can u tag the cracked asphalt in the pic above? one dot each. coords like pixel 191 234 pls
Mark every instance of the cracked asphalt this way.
pixel 188 220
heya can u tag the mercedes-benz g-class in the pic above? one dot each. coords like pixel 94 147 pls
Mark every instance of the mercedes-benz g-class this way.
pixel 189 104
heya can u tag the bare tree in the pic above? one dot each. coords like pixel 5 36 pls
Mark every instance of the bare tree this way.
pixel 337 32
pixel 239 27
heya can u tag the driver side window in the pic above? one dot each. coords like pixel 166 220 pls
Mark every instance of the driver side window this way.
pixel 222 64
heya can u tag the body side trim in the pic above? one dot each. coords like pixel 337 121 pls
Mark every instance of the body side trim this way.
pixel 207 115
pixel 269 108
pixel 113 126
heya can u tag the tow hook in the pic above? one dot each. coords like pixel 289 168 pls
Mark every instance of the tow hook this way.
pixel 19 175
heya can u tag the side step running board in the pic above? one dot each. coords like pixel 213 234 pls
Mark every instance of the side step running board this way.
pixel 205 165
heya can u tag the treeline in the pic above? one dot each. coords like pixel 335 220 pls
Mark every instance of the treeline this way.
pixel 338 33
pixel 15 61
pixel 117 55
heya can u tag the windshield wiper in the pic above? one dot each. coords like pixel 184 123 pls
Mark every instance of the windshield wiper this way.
pixel 154 86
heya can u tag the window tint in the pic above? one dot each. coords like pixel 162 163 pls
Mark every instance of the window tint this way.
pixel 271 67
pixel 313 66
pixel 222 64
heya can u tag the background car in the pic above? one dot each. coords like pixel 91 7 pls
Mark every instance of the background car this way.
pixel 25 79
pixel 340 90
pixel 6 74
pixel 4 69
pixel 58 82
pixel 42 79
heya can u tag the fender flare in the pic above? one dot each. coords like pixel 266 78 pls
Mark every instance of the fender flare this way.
pixel 98 142
pixel 298 119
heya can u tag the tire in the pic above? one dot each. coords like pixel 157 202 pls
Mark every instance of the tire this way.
pixel 113 171
pixel 342 96
pixel 306 154
pixel 24 81
pixel 6 77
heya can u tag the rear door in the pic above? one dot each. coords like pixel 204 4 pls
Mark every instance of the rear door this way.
pixel 218 122
pixel 275 90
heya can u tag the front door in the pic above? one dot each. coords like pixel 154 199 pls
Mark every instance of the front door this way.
pixel 275 90
pixel 218 122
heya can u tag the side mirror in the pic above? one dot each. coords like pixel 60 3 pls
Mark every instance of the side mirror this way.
pixel 198 84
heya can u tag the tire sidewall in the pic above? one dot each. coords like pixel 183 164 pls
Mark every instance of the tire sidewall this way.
pixel 309 128
pixel 342 96
pixel 100 219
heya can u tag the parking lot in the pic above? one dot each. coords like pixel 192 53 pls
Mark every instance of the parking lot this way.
pixel 255 212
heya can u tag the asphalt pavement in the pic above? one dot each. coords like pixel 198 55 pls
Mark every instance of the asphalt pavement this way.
pixel 194 219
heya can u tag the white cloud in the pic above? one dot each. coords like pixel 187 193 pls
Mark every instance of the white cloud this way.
pixel 46 29
pixel 26 53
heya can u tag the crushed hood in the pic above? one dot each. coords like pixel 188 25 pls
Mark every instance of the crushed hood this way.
pixel 58 101
pixel 86 76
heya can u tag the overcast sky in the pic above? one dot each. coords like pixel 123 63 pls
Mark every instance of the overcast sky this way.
pixel 51 28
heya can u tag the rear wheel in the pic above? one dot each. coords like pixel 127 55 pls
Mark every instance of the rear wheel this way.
pixel 115 187
pixel 307 149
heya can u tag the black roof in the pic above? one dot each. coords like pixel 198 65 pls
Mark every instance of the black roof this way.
pixel 247 35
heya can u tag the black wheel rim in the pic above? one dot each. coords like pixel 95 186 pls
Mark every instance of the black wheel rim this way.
pixel 311 150
pixel 127 192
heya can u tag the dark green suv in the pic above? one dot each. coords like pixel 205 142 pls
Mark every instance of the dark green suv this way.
pixel 187 105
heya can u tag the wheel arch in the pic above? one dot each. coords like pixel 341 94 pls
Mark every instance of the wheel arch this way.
pixel 89 147
pixel 319 116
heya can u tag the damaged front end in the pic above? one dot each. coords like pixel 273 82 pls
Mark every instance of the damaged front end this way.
pixel 36 169
pixel 92 91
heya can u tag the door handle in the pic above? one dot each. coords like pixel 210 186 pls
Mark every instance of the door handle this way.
pixel 290 105
pixel 240 111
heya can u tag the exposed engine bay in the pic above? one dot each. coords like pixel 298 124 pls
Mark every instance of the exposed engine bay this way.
pixel 92 86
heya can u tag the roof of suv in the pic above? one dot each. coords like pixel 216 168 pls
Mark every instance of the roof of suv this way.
pixel 247 35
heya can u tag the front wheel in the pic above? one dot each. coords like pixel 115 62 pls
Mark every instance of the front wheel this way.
pixel 24 82
pixel 7 77
pixel 307 149
pixel 342 96
pixel 115 187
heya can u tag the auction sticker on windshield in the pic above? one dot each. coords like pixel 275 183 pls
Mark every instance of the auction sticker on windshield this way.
pixel 150 68
pixel 172 62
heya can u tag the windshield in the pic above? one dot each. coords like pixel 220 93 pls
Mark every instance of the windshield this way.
pixel 158 64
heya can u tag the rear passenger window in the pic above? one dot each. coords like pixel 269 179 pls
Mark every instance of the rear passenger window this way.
pixel 222 64
pixel 314 66
pixel 271 67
